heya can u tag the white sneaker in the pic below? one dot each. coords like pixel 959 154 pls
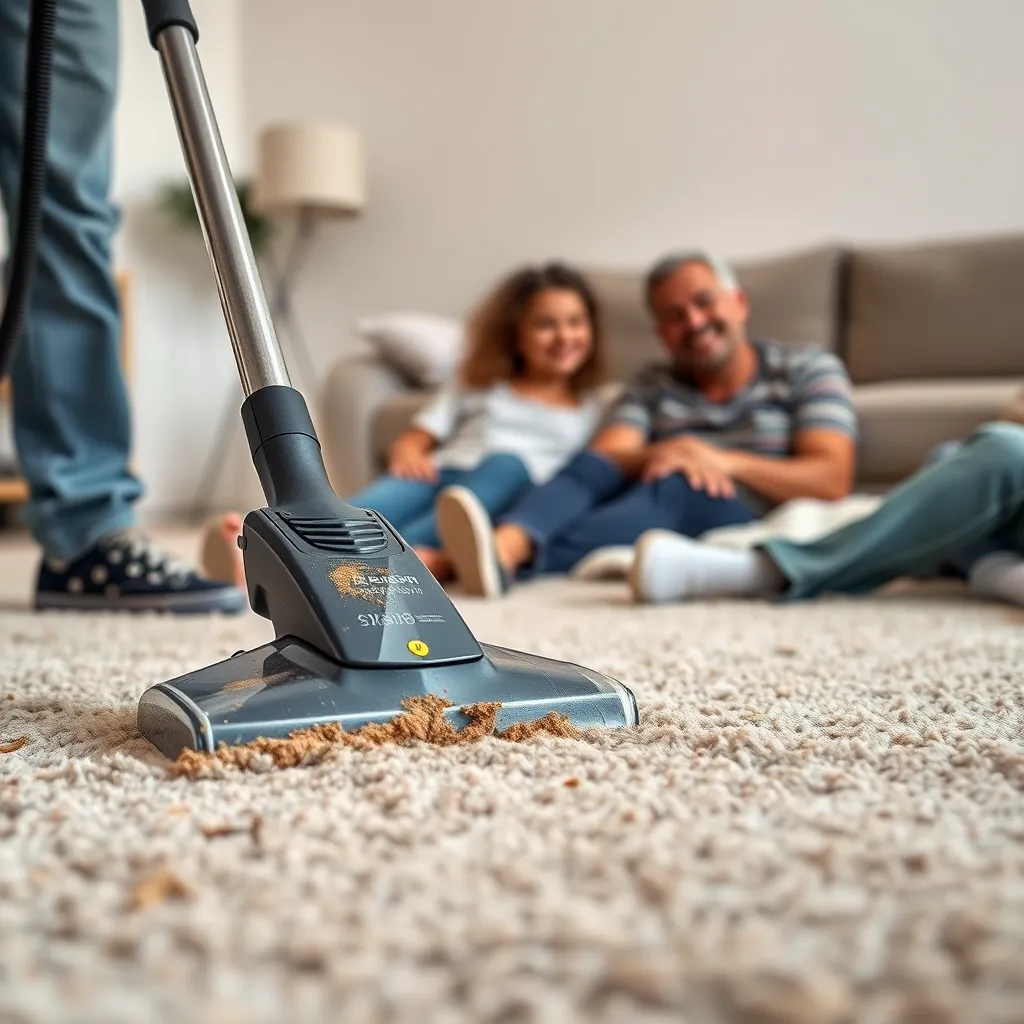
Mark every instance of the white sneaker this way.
pixel 467 534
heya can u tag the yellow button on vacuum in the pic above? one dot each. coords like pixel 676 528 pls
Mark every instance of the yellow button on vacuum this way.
pixel 419 648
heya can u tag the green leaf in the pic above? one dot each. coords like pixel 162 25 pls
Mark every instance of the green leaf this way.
pixel 178 205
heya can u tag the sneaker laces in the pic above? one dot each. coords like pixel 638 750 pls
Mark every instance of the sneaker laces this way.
pixel 141 548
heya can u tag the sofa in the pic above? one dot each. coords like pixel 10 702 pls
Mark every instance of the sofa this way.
pixel 932 335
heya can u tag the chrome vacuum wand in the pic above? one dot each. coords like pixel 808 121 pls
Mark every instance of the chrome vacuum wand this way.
pixel 361 626
pixel 254 341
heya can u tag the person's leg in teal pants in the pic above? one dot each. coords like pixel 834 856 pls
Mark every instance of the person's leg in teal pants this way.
pixel 976 495
pixel 973 497
pixel 71 418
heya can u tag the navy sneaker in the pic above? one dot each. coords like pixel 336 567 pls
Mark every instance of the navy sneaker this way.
pixel 467 534
pixel 126 572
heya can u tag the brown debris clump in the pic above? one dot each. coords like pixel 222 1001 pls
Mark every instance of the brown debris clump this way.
pixel 158 888
pixel 422 718
pixel 253 829
pixel 10 748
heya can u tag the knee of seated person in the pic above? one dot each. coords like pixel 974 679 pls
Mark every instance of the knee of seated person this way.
pixel 506 461
pixel 586 464
pixel 942 451
pixel 1000 442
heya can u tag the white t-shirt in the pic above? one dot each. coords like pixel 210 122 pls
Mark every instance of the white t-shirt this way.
pixel 471 424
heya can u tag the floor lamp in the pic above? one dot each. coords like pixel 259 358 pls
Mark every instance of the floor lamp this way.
pixel 307 172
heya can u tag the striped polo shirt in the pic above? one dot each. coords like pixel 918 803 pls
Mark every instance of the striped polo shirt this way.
pixel 794 389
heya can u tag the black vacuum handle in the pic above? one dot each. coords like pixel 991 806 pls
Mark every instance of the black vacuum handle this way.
pixel 162 13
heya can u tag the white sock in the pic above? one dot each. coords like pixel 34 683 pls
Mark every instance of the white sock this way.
pixel 999 577
pixel 670 567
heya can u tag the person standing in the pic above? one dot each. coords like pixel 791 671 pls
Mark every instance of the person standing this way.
pixel 71 417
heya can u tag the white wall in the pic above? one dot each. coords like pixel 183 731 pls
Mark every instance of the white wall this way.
pixel 607 130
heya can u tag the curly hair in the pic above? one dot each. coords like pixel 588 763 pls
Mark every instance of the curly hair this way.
pixel 493 329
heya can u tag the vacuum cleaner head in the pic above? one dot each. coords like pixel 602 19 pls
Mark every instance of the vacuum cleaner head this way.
pixel 360 624
pixel 286 685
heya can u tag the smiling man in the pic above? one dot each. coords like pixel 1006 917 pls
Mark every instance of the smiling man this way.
pixel 720 433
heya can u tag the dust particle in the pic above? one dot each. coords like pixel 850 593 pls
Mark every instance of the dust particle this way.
pixel 10 748
pixel 218 831
pixel 422 718
pixel 157 889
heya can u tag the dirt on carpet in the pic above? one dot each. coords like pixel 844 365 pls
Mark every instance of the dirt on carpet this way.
pixel 158 888
pixel 422 718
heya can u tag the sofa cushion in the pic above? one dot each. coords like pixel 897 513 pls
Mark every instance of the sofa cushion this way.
pixel 901 422
pixel 793 298
pixel 423 347
pixel 936 310
pixel 632 342
pixel 390 418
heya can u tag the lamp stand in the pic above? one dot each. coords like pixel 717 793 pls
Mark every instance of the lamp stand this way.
pixel 282 313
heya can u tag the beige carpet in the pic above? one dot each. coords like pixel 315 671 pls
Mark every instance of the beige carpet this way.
pixel 821 820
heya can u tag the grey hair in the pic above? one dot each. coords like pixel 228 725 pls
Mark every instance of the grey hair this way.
pixel 668 265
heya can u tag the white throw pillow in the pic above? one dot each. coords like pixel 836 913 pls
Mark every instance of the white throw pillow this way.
pixel 425 347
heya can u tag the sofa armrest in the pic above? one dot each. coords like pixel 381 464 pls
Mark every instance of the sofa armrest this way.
pixel 357 385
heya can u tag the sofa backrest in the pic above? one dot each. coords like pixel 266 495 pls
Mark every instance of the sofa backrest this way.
pixel 935 310
pixel 794 298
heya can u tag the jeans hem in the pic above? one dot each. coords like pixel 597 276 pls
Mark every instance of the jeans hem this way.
pixel 70 545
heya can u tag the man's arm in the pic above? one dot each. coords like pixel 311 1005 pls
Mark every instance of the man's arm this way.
pixel 824 437
pixel 822 466
pixel 623 437
pixel 623 444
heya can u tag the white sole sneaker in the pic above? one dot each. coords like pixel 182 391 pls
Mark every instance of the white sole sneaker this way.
pixel 466 532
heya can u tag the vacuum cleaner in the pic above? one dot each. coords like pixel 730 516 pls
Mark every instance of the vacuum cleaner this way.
pixel 360 625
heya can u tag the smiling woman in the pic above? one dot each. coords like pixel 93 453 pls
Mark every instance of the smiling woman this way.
pixel 540 325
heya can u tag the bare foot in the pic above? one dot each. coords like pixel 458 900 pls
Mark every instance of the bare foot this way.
pixel 221 558
pixel 438 564
pixel 513 546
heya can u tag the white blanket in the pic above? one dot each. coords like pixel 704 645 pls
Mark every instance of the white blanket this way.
pixel 803 519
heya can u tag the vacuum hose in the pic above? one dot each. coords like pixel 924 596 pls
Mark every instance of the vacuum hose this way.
pixel 38 68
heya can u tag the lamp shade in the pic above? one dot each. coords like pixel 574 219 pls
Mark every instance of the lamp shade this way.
pixel 309 165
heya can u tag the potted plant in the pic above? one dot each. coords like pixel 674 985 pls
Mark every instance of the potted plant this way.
pixel 178 205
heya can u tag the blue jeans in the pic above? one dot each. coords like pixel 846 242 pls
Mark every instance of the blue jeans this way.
pixel 955 508
pixel 497 481
pixel 591 504
pixel 71 419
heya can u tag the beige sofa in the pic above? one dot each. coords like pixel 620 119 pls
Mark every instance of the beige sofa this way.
pixel 932 335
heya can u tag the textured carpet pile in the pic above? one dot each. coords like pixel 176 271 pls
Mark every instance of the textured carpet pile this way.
pixel 820 821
